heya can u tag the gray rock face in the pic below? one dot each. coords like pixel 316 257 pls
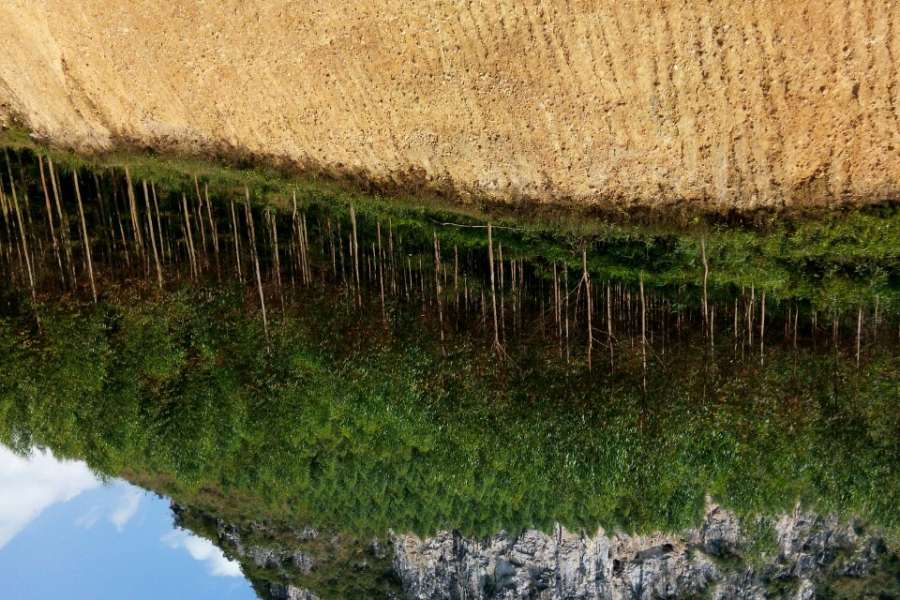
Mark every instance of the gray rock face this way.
pixel 564 565
pixel 287 592
pixel 720 533
pixel 577 566
pixel 794 557
pixel 231 540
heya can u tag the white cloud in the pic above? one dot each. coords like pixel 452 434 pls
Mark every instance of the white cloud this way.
pixel 29 485
pixel 203 550
pixel 89 519
pixel 127 507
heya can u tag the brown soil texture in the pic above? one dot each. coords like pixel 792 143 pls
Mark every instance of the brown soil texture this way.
pixel 724 105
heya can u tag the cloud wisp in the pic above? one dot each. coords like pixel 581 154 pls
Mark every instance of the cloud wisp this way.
pixel 127 507
pixel 204 551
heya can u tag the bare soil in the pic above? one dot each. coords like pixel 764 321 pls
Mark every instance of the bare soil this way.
pixel 724 105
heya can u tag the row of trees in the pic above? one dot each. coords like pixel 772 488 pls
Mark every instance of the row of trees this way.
pixel 71 232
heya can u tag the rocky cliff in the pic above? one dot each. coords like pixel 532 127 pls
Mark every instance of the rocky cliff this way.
pixel 799 556
pixel 718 104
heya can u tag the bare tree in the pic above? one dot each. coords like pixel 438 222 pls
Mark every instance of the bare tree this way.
pixel 497 346
pixel 586 280
pixel 22 233
pixel 87 241
pixel 159 277
pixel 437 283
pixel 355 250
pixel 255 256
pixel 56 252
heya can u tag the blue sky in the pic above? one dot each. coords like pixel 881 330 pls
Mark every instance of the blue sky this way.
pixel 63 534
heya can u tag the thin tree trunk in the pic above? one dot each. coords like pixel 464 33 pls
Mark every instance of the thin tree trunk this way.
pixel 22 233
pixel 497 346
pixel 274 226
pixel 340 246
pixel 586 279
pixel 456 278
pixel 213 228
pixel 705 278
pixel 356 256
pixel 859 323
pixel 609 328
pixel 391 251
pixel 138 238
pixel 162 243
pixel 643 336
pixel 87 241
pixel 437 283
pixel 796 317
pixel 762 332
pixel 334 253
pixel 192 255
pixel 566 286
pixel 381 278
pixel 735 327
pixel 304 241
pixel 5 210
pixel 253 254
pixel 750 318
pixel 237 242
pixel 556 312
pixel 407 278
pixel 200 224
pixel 63 221
pixel 56 252
pixel 4 213
pixel 422 282
pixel 122 234
pixel 159 276
pixel 298 233
pixel 502 293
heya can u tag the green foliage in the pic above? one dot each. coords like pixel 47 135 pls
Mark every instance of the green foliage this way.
pixel 355 426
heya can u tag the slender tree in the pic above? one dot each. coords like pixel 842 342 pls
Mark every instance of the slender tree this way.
pixel 586 280
pixel 159 275
pixel 355 251
pixel 255 257
pixel 22 233
pixel 497 345
pixel 237 242
pixel 86 239
pixel 56 252
pixel 63 221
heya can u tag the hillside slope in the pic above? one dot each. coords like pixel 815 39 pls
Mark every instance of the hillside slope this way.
pixel 655 102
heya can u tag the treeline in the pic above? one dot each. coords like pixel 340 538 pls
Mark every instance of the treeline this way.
pixel 85 234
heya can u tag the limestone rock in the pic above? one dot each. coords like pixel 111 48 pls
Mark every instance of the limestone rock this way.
pixel 286 592
pixel 566 565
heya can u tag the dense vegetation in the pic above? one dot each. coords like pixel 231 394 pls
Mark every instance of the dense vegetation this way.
pixel 356 425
